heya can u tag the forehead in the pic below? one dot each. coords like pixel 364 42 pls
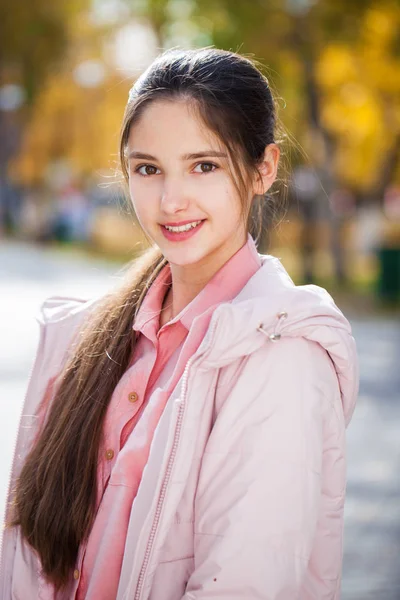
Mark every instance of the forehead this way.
pixel 171 123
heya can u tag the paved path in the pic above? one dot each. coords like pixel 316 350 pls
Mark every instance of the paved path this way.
pixel 372 531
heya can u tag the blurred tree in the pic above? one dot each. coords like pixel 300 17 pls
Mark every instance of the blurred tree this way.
pixel 360 90
pixel 34 35
pixel 72 124
pixel 76 116
pixel 157 12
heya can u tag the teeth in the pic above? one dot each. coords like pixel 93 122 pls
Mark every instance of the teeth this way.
pixel 183 227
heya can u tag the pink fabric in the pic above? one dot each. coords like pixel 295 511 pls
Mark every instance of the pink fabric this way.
pixel 158 362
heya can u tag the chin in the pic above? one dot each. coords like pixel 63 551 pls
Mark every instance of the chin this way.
pixel 185 253
pixel 184 257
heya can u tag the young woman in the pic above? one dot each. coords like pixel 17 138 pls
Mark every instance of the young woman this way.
pixel 188 431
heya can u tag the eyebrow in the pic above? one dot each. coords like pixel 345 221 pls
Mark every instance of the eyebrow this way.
pixel 192 156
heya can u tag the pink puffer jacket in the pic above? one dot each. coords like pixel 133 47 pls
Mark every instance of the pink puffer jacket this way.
pixel 243 493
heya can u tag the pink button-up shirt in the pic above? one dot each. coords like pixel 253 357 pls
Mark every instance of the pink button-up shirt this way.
pixel 135 408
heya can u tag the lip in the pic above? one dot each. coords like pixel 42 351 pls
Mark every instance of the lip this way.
pixel 181 236
pixel 178 224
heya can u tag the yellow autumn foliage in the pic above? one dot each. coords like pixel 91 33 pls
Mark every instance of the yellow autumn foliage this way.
pixel 76 124
pixel 360 87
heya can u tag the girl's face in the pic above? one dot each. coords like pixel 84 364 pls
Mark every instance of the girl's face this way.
pixel 178 175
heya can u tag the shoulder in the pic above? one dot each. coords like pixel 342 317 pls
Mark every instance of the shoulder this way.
pixel 60 319
pixel 282 377
pixel 296 355
pixel 291 356
pixel 56 309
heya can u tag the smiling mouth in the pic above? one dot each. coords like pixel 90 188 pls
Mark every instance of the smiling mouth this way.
pixel 181 233
pixel 181 228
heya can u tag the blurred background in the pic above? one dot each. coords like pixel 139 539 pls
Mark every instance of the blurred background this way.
pixel 65 228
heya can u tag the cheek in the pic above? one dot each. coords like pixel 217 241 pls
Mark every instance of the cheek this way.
pixel 141 198
pixel 228 205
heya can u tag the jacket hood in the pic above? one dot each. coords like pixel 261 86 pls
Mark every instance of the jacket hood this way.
pixel 270 307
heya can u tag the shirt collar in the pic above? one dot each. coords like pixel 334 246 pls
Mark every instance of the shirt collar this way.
pixel 226 283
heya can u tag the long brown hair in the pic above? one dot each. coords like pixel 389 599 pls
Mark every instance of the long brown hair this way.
pixel 55 497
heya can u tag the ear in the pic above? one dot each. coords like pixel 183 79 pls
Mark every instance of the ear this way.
pixel 268 169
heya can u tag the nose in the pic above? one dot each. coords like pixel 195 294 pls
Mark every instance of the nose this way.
pixel 174 198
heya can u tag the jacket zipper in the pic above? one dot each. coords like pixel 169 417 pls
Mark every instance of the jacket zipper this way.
pixel 168 471
pixel 14 453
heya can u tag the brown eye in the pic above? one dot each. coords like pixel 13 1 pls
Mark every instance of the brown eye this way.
pixel 148 170
pixel 209 167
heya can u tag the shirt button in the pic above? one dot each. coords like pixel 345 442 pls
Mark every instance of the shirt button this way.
pixel 133 397
pixel 76 574
pixel 110 454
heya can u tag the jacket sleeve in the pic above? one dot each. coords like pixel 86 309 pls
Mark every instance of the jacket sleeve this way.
pixel 259 490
